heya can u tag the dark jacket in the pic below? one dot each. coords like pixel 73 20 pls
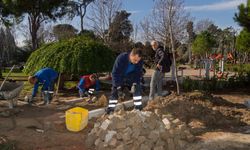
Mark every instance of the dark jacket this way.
pixel 120 67
pixel 162 58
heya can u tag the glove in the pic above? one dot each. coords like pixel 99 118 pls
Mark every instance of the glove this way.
pixel 133 88
pixel 120 92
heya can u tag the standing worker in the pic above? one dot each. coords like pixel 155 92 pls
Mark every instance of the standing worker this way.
pixel 88 85
pixel 45 77
pixel 127 70
pixel 163 63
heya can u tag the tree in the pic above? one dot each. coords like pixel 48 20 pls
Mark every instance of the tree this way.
pixel 119 31
pixel 243 41
pixel 75 56
pixel 202 25
pixel 243 16
pixel 64 31
pixel 191 37
pixel 7 46
pixel 203 43
pixel 102 15
pixel 38 12
pixel 79 8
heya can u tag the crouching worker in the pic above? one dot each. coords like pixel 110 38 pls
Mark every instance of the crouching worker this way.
pixel 88 86
pixel 45 77
pixel 127 70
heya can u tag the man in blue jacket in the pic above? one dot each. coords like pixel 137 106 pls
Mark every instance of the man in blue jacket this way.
pixel 127 70
pixel 45 77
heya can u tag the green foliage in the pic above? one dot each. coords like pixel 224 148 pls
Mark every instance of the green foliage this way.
pixel 203 43
pixel 243 41
pixel 78 55
pixel 243 16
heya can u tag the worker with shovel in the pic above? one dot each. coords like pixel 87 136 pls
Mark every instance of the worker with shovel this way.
pixel 45 77
pixel 127 70
pixel 88 86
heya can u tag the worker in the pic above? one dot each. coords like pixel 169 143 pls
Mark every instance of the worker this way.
pixel 88 85
pixel 127 70
pixel 45 77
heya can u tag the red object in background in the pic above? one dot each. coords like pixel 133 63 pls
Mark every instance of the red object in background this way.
pixel 219 74
pixel 213 56
pixel 230 56
pixel 219 56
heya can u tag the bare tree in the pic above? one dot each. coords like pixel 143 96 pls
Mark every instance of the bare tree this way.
pixel 167 24
pixel 102 15
pixel 146 27
pixel 202 25
pixel 79 8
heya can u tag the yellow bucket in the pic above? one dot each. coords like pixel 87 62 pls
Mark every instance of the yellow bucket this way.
pixel 76 119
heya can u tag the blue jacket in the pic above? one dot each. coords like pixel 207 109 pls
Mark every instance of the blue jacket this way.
pixel 120 68
pixel 46 78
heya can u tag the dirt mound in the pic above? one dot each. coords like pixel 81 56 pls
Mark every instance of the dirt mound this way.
pixel 203 111
pixel 139 130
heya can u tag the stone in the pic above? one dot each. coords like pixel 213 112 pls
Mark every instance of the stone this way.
pixel 120 125
pixel 144 147
pixel 101 134
pixel 159 148
pixel 159 143
pixel 181 143
pixel 119 136
pixel 120 147
pixel 97 142
pixel 126 137
pixel 154 135
pixel 127 130
pixel 181 127
pixel 109 136
pixel 171 144
pixel 97 125
pixel 105 124
pixel 166 123
pixel 113 142
pixel 136 133
pixel 141 139
pixel 176 121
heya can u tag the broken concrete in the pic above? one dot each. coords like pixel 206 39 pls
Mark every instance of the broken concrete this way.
pixel 138 130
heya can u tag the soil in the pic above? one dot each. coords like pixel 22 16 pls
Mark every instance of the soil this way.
pixel 219 121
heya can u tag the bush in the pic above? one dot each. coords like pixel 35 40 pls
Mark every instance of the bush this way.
pixel 80 55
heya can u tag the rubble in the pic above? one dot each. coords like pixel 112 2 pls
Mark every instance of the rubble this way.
pixel 138 130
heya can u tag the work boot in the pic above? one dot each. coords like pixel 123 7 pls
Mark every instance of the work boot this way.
pixel 138 107
pixel 109 110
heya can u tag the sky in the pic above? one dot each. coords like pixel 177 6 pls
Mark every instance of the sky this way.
pixel 221 12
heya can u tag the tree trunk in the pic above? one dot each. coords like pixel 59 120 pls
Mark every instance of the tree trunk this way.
pixel 189 54
pixel 34 24
pixel 1 75
pixel 81 18
pixel 173 48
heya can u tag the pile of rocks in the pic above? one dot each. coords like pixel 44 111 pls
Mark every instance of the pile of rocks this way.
pixel 139 130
